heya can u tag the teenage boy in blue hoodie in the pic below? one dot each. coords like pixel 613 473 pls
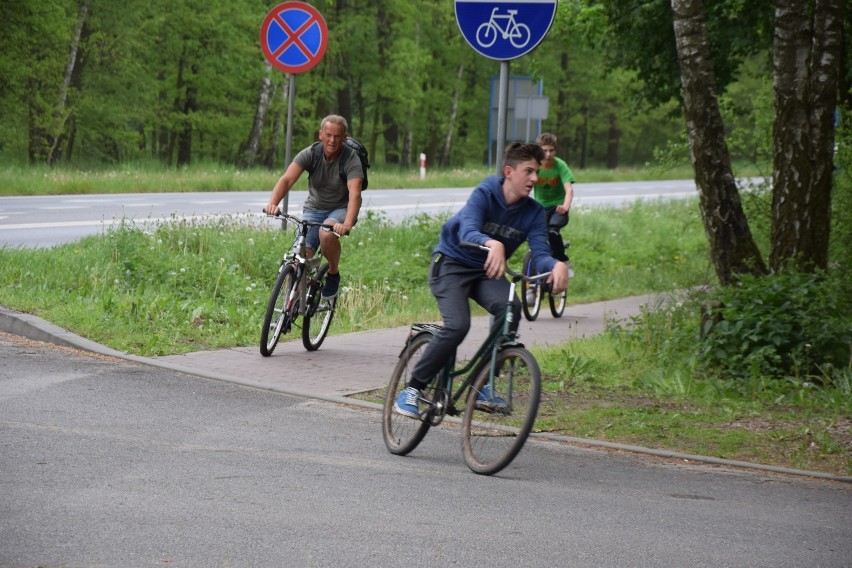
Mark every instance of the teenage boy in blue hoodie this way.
pixel 501 215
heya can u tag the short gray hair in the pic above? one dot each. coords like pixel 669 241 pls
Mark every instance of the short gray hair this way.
pixel 335 119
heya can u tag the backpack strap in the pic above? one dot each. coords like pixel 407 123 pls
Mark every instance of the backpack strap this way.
pixel 316 156
pixel 341 164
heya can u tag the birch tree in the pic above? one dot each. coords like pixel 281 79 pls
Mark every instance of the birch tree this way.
pixel 806 68
pixel 732 247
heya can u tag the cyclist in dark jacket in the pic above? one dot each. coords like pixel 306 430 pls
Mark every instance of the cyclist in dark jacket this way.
pixel 501 215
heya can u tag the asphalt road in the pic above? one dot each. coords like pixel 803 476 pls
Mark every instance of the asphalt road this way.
pixel 46 221
pixel 109 463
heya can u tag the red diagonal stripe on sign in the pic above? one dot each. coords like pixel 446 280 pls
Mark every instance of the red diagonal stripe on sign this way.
pixel 293 37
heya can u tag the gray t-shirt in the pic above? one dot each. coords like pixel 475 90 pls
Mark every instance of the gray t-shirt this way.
pixel 326 191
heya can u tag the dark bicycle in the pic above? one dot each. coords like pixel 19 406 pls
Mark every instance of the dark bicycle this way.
pixel 533 291
pixel 297 292
pixel 501 390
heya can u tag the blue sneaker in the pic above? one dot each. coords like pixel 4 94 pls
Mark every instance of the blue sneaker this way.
pixel 406 403
pixel 487 402
pixel 332 284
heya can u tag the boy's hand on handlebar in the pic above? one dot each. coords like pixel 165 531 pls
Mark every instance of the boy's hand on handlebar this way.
pixel 495 263
pixel 271 210
pixel 558 278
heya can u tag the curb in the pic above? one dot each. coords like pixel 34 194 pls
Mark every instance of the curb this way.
pixel 35 328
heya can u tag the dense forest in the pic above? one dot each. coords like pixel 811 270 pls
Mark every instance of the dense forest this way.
pixel 94 81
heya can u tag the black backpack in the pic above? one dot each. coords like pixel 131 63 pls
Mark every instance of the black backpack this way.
pixel 349 145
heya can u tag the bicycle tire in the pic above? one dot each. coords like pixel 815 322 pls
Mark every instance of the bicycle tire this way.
pixel 402 433
pixel 533 289
pixel 557 303
pixel 492 439
pixel 318 315
pixel 279 315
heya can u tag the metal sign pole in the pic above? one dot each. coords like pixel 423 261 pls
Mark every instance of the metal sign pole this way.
pixel 502 112
pixel 288 143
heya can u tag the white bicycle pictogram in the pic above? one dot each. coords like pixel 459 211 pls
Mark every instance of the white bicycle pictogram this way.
pixel 517 34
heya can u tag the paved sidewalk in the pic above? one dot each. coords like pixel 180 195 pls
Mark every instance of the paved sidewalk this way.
pixel 355 362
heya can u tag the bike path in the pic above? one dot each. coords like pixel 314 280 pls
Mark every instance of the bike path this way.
pixel 344 364
pixel 356 362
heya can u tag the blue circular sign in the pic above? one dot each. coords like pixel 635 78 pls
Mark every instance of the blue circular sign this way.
pixel 504 30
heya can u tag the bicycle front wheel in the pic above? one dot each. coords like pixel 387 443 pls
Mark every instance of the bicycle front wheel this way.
pixel 499 414
pixel 557 303
pixel 402 433
pixel 280 311
pixel 530 291
pixel 318 317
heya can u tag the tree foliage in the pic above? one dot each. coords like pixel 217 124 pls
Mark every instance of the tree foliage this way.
pixel 181 81
pixel 712 42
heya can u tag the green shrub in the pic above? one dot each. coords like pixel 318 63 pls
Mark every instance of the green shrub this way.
pixel 782 325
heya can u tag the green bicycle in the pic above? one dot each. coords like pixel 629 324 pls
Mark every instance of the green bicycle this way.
pixel 501 391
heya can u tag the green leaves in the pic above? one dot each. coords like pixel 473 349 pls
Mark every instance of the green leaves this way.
pixel 788 324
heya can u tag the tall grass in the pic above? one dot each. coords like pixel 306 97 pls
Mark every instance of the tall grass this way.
pixel 192 285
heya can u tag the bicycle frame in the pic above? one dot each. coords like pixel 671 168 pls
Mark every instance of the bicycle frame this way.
pixel 511 29
pixel 297 256
pixel 498 336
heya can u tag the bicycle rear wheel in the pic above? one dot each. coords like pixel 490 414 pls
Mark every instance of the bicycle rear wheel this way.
pixel 530 291
pixel 281 310
pixel 401 433
pixel 492 438
pixel 318 317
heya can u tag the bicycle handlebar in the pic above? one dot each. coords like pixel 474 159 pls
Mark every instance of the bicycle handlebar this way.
pixel 515 275
pixel 288 217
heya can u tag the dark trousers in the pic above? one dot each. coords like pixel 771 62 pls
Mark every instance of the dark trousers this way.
pixel 555 222
pixel 452 284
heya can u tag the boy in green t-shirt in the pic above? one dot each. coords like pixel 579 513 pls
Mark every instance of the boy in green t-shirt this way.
pixel 554 190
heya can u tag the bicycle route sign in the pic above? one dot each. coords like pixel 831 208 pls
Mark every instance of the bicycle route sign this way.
pixel 293 37
pixel 504 30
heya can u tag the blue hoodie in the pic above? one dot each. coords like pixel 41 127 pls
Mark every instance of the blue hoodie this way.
pixel 486 216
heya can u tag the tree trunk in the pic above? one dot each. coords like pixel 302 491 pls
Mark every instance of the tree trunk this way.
pixel 184 157
pixel 613 140
pixel 61 114
pixel 252 146
pixel 278 118
pixel 732 247
pixel 176 106
pixel 454 108
pixel 390 135
pixel 563 143
pixel 584 137
pixel 806 63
